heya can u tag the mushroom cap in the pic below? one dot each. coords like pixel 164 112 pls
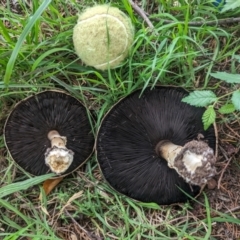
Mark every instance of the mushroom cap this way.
pixel 128 136
pixel 27 127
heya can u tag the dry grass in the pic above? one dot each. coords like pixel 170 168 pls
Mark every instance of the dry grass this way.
pixel 83 206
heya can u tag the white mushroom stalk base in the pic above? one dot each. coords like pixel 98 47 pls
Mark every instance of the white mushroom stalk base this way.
pixel 195 161
pixel 58 158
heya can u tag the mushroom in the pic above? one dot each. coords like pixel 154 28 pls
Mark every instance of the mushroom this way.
pixel 152 147
pixel 49 132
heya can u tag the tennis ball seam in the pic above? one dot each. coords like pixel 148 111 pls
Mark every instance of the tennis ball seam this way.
pixel 125 30
pixel 100 45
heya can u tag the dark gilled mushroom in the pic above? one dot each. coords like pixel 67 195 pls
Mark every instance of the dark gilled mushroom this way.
pixel 49 132
pixel 153 148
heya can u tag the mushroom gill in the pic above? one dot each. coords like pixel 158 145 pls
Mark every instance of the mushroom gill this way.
pixel 44 130
pixel 128 137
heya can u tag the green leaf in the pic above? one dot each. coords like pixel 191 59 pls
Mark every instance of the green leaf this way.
pixel 227 77
pixel 18 186
pixel 230 4
pixel 236 99
pixel 200 98
pixel 227 108
pixel 208 117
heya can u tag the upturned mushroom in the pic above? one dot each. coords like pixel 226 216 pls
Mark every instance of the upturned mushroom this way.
pixel 49 132
pixel 152 147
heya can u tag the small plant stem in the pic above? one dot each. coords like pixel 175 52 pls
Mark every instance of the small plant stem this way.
pixel 56 139
pixel 227 94
pixel 223 96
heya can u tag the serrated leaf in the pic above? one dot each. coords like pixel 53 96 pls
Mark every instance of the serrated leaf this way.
pixel 236 99
pixel 227 108
pixel 208 117
pixel 230 4
pixel 200 98
pixel 227 77
pixel 237 57
pixel 218 3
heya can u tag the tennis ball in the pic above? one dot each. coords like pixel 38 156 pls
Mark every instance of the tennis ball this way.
pixel 103 36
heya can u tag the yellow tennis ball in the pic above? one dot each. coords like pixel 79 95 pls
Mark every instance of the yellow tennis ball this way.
pixel 103 36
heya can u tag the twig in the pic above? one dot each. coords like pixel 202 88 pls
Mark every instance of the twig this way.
pixel 83 229
pixel 141 12
pixel 225 167
pixel 234 132
pixel 233 209
pixel 200 23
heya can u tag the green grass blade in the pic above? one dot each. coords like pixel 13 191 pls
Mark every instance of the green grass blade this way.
pixel 209 221
pixel 5 33
pixel 15 210
pixel 14 187
pixel 44 55
pixel 21 39
pixel 16 235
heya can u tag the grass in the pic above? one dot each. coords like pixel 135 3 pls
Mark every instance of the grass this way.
pixel 36 53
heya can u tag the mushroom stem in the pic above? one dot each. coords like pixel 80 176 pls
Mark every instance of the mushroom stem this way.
pixel 169 151
pixel 56 139
pixel 194 161
pixel 58 157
